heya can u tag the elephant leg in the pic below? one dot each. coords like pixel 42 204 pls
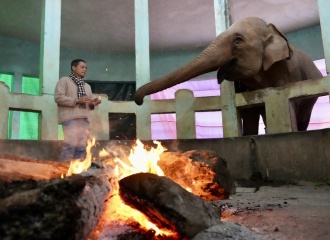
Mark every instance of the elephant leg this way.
pixel 250 120
pixel 304 110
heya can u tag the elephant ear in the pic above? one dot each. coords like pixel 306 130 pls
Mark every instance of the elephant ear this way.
pixel 276 47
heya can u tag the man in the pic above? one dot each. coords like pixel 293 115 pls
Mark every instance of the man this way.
pixel 75 101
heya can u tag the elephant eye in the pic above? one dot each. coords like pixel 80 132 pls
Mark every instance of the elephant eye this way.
pixel 238 40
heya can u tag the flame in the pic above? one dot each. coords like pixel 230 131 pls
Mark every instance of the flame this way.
pixel 78 166
pixel 140 160
pixel 103 153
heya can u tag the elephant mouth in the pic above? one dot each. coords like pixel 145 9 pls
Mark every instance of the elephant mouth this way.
pixel 226 71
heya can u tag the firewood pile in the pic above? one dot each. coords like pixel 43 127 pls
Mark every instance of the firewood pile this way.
pixel 37 201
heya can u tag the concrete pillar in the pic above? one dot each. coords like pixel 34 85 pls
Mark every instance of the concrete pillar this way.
pixel 231 125
pixel 142 59
pixel 50 45
pixel 222 15
pixel 50 64
pixel 4 109
pixel 324 8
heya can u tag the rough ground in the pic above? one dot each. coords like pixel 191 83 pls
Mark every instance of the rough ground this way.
pixel 288 211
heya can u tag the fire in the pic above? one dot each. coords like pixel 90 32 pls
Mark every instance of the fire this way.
pixel 140 160
pixel 78 166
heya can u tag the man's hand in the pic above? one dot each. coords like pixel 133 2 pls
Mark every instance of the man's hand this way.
pixel 83 100
pixel 95 102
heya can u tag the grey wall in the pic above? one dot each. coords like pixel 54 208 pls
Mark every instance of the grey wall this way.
pixel 23 57
pixel 19 56
pixel 162 63
pixel 309 40
pixel 102 66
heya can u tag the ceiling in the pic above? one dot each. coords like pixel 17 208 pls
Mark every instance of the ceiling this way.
pixel 105 25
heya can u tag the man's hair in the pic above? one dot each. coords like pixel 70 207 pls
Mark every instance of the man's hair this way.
pixel 76 62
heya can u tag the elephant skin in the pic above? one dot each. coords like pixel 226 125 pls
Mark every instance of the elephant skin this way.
pixel 255 55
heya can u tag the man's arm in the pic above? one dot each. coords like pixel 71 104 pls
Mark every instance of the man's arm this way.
pixel 59 94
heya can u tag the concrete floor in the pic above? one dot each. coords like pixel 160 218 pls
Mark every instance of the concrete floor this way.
pixel 287 212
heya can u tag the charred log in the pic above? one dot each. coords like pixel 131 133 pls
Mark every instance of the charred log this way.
pixel 205 173
pixel 67 208
pixel 167 204
pixel 16 169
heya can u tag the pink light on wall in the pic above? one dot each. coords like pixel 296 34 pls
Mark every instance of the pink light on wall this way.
pixel 163 126
pixel 321 113
pixel 209 124
pixel 200 88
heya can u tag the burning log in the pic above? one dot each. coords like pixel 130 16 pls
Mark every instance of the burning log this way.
pixel 167 204
pixel 71 208
pixel 67 208
pixel 205 173
pixel 16 169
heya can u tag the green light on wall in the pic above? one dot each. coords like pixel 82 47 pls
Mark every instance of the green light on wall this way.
pixel 8 79
pixel 60 132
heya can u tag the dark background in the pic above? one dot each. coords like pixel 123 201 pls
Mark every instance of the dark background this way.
pixel 122 125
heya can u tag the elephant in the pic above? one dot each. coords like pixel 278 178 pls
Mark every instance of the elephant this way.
pixel 254 55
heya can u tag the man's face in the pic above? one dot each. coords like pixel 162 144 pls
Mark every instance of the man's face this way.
pixel 80 70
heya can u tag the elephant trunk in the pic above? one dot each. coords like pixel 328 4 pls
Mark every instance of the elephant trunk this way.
pixel 207 61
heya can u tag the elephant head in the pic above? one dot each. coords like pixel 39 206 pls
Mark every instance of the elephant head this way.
pixel 241 53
